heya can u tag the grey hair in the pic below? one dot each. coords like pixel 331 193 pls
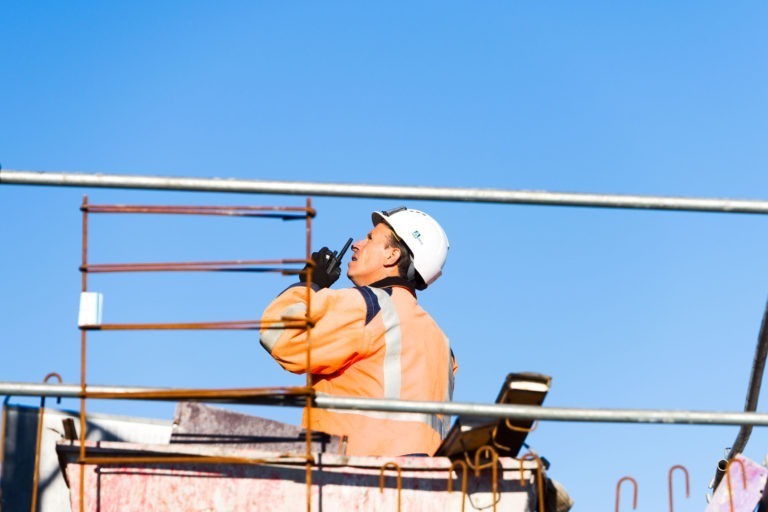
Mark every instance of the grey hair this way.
pixel 405 266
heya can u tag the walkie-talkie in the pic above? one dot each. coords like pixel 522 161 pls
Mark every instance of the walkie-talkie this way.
pixel 335 258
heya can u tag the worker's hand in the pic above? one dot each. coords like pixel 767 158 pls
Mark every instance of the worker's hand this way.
pixel 320 275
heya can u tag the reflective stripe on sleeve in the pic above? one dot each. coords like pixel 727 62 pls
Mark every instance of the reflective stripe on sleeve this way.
pixel 393 342
pixel 269 336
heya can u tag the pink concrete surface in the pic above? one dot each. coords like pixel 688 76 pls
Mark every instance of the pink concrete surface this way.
pixel 745 497
pixel 338 484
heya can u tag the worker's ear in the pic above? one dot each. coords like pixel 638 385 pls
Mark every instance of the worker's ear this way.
pixel 393 257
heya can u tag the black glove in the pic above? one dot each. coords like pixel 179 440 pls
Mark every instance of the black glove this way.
pixel 320 275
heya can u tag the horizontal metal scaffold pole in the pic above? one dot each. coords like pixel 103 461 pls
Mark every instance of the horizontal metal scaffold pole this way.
pixel 476 195
pixel 449 408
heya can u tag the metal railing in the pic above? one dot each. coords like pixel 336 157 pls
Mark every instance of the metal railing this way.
pixel 291 397
pixel 474 195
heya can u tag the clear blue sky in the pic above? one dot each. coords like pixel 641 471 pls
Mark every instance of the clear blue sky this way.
pixel 624 309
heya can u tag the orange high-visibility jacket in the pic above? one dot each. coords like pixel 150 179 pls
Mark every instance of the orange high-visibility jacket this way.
pixel 373 342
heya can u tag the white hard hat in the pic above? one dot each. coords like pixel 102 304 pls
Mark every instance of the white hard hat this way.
pixel 424 237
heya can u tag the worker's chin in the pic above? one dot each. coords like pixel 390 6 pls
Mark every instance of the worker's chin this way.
pixel 356 279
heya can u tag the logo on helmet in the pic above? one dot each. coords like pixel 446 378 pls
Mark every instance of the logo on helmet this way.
pixel 417 236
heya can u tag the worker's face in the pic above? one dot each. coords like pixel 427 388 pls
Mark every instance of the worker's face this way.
pixel 372 257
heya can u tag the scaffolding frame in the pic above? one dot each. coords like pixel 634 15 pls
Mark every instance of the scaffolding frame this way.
pixel 246 395
pixel 746 420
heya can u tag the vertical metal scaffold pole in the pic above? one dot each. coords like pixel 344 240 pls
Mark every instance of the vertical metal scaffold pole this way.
pixel 83 349
pixel 2 447
pixel 308 406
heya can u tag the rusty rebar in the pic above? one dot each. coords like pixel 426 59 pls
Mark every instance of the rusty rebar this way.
pixel 494 456
pixel 230 211
pixel 308 326
pixel 528 430
pixel 395 466
pixel 239 395
pixel 618 491
pixel 669 484
pixel 495 432
pixel 232 325
pixel 83 355
pixel 119 460
pixel 539 478
pixel 199 266
pixel 728 477
pixel 464 471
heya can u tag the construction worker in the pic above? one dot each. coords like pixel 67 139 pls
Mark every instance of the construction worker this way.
pixel 373 340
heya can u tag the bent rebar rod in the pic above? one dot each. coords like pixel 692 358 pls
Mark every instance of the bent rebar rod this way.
pixel 753 393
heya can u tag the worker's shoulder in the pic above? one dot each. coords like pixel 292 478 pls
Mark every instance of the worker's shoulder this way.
pixel 361 297
pixel 370 297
